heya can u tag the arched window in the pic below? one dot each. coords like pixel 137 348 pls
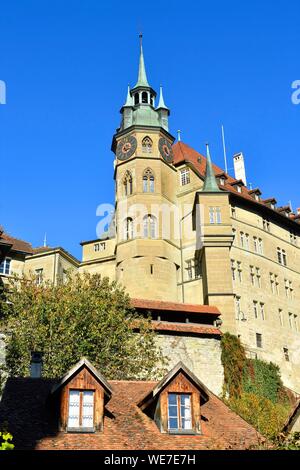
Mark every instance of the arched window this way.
pixel 147 145
pixel 136 98
pixel 128 229
pixel 148 181
pixel 144 97
pixel 127 183
pixel 150 226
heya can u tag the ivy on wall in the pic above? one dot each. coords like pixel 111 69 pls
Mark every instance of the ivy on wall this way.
pixel 234 360
pixel 253 388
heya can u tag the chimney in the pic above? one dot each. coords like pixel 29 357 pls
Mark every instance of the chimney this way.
pixel 36 364
pixel 239 167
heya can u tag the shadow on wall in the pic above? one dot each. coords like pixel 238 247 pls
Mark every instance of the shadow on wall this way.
pixel 28 412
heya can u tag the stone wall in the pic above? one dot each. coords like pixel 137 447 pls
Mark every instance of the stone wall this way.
pixel 201 355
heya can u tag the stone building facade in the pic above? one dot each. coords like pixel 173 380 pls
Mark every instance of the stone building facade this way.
pixel 185 231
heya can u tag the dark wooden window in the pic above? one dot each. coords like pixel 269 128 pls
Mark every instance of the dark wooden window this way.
pixel 179 412
pixel 259 340
pixel 81 410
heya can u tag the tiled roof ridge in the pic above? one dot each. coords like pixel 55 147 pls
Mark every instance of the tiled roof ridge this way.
pixel 200 167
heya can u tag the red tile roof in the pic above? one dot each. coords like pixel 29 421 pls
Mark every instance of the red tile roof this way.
pixel 25 408
pixel 186 328
pixel 174 306
pixel 17 244
pixel 185 153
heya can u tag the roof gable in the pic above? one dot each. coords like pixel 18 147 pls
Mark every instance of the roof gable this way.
pixel 179 368
pixel 84 362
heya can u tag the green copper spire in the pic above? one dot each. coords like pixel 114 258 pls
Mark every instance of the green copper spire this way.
pixel 129 102
pixel 210 182
pixel 161 103
pixel 142 78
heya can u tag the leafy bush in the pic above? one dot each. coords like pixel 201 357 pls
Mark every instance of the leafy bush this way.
pixel 267 417
pixel 5 437
pixel 263 379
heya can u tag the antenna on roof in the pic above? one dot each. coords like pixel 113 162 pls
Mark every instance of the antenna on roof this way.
pixel 224 149
pixel 179 135
pixel 45 240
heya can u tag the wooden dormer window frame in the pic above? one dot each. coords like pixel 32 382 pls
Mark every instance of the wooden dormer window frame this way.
pixel 81 411
pixel 180 413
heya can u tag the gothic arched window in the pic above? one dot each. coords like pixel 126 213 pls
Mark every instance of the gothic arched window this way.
pixel 147 145
pixel 148 181
pixel 127 183
pixel 128 229
pixel 150 226
pixel 136 98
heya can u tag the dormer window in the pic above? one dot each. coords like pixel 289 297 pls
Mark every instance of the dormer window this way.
pixel 179 412
pixel 81 395
pixel 81 410
pixel 255 194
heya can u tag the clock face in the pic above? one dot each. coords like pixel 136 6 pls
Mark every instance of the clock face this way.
pixel 126 147
pixel 166 150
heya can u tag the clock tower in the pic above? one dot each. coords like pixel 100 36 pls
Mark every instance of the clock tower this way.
pixel 147 247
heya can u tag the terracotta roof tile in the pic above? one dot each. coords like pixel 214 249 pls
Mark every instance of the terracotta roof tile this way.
pixel 185 153
pixel 17 244
pixel 186 328
pixel 174 306
pixel 25 408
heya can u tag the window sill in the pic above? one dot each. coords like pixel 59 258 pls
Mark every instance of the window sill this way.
pixel 181 432
pixel 81 430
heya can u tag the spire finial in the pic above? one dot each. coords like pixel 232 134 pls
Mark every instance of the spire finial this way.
pixel 210 182
pixel 179 135
pixel 142 77
pixel 161 103
pixel 129 98
pixel 45 240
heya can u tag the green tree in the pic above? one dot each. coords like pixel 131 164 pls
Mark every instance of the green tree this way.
pixel 5 437
pixel 86 316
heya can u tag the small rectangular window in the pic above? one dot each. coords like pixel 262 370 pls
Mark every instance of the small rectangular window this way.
pixel 81 409
pixel 179 412
pixel 185 177
pixel 280 317
pixel 215 215
pixel 39 276
pixel 5 266
pixel 255 309
pixel 259 340
pixel 286 354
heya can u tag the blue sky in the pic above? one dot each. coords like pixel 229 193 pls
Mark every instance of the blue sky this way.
pixel 67 64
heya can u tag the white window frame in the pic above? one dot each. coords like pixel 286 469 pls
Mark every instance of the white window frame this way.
pixel 185 177
pixel 5 262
